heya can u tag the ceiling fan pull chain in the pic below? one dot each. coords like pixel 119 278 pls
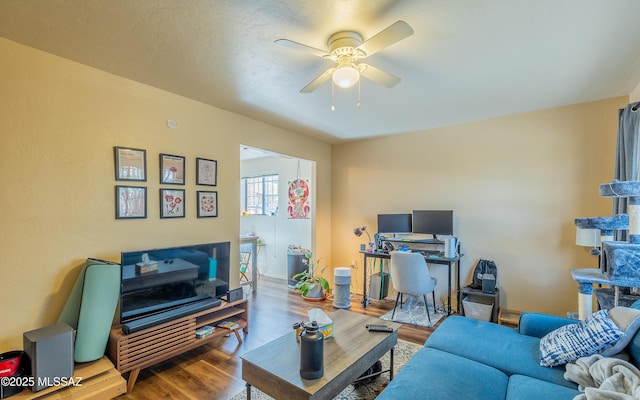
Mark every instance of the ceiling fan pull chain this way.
pixel 358 104
pixel 333 108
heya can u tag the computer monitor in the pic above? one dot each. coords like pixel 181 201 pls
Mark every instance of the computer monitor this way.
pixel 394 223
pixel 434 222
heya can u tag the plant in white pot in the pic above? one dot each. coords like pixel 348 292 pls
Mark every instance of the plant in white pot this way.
pixel 311 284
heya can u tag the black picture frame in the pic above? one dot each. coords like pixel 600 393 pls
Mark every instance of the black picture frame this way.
pixel 206 172
pixel 172 203
pixel 131 202
pixel 130 164
pixel 207 204
pixel 172 169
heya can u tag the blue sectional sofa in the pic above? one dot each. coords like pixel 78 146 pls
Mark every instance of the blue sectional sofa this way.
pixel 469 359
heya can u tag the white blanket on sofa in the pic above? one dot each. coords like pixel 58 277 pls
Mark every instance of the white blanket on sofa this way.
pixel 604 378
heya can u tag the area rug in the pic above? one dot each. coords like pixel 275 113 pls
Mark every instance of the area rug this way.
pixel 413 312
pixel 364 391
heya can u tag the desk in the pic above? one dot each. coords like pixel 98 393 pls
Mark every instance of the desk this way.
pixel 430 260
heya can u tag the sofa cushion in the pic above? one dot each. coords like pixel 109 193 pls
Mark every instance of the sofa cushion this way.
pixel 434 374
pixel 570 342
pixel 634 346
pixel 628 320
pixel 522 387
pixel 634 349
pixel 495 345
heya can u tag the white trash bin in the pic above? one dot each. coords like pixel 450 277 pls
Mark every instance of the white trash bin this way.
pixel 478 307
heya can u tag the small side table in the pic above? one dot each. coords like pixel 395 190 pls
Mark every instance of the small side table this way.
pixel 467 290
pixel 509 318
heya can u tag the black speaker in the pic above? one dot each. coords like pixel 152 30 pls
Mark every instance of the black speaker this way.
pixel 234 295
pixel 50 350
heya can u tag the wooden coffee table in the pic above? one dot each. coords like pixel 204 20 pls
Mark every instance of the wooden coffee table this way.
pixel 274 368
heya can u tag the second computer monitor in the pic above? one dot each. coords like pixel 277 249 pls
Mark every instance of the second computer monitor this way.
pixel 394 223
pixel 434 222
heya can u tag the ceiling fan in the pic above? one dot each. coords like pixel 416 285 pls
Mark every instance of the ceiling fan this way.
pixel 346 48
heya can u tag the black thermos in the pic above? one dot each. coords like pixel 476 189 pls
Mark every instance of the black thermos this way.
pixel 311 352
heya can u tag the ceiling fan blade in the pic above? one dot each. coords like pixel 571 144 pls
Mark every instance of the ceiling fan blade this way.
pixel 388 36
pixel 301 47
pixel 378 75
pixel 322 78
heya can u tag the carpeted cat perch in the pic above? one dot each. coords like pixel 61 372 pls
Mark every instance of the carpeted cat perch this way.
pixel 620 261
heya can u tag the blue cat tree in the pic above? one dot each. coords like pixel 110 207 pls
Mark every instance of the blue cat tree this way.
pixel 620 261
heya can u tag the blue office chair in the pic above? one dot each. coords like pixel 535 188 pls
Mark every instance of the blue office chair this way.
pixel 410 275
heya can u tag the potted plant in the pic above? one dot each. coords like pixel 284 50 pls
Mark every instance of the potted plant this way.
pixel 310 283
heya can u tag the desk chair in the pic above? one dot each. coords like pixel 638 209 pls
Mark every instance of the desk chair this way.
pixel 410 275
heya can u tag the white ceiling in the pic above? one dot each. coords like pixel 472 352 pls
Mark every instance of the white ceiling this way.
pixel 468 59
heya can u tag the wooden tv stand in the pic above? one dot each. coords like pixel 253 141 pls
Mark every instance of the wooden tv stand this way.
pixel 150 346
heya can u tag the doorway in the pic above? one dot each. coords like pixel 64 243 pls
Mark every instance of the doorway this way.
pixel 276 225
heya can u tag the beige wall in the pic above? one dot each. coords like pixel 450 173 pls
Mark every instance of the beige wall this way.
pixel 59 121
pixel 515 184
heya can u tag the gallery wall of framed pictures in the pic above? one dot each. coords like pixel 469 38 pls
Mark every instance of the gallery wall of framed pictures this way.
pixel 131 199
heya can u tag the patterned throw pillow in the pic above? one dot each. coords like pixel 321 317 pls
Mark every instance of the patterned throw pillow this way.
pixel 570 342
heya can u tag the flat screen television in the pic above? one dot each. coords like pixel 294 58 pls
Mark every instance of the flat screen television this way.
pixel 434 222
pixel 175 277
pixel 394 223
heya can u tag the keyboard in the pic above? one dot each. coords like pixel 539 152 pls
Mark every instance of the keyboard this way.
pixel 432 253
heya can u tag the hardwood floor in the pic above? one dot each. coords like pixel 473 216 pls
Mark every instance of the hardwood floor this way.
pixel 213 371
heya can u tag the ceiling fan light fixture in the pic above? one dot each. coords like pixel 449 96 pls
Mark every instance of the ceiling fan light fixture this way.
pixel 346 49
pixel 346 76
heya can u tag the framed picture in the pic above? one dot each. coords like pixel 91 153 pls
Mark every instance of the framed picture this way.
pixel 171 169
pixel 206 172
pixel 131 164
pixel 207 204
pixel 131 202
pixel 171 203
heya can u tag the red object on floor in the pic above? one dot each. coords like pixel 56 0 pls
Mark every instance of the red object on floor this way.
pixel 9 362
